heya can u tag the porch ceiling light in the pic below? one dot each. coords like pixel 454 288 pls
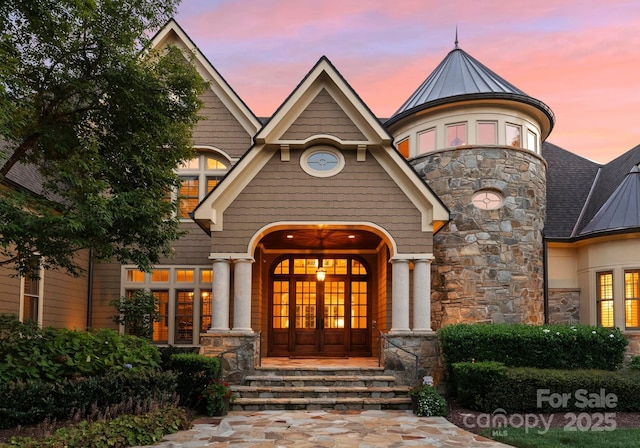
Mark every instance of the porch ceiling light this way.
pixel 320 274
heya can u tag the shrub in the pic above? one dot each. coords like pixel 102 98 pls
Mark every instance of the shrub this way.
pixel 195 372
pixel 547 346
pixel 474 382
pixel 170 350
pixel 126 430
pixel 634 363
pixel 429 402
pixel 32 401
pixel 137 313
pixel 518 388
pixel 30 352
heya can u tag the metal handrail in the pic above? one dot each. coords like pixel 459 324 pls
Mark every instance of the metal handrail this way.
pixel 385 338
pixel 235 350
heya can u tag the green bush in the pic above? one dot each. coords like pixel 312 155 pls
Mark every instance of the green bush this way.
pixel 429 402
pixel 168 351
pixel 123 431
pixel 547 346
pixel 517 389
pixel 30 352
pixel 32 401
pixel 195 372
pixel 634 363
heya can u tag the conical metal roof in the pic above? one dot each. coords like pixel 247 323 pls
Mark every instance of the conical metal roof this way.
pixel 460 77
pixel 622 210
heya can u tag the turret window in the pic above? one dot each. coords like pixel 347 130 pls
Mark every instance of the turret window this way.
pixel 514 135
pixel 532 141
pixel 487 199
pixel 457 134
pixel 487 133
pixel 427 141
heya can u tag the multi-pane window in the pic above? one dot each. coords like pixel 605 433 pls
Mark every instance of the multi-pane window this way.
pixel 632 299
pixel 31 298
pixel 184 300
pixel 457 134
pixel 604 298
pixel 198 177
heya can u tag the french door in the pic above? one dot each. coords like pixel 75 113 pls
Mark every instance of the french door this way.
pixel 313 316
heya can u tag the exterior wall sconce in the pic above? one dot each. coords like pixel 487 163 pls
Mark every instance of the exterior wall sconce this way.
pixel 320 274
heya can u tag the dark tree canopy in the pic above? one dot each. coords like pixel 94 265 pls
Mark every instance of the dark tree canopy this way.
pixel 102 119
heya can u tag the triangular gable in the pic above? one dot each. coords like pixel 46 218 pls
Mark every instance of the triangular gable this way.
pixel 361 133
pixel 173 34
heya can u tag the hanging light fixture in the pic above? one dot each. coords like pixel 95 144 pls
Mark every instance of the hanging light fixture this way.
pixel 320 274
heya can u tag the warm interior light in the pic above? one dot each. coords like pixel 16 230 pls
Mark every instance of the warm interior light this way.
pixel 290 237
pixel 351 237
pixel 320 274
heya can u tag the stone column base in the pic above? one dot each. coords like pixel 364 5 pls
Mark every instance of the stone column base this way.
pixel 239 351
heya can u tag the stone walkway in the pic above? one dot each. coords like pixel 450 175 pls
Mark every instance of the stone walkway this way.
pixel 302 429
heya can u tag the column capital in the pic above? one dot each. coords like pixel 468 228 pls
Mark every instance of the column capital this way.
pixel 243 259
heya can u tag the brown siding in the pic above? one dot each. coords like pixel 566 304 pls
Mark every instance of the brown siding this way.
pixel 9 291
pixel 192 248
pixel 220 128
pixel 323 116
pixel 106 287
pixel 65 298
pixel 363 191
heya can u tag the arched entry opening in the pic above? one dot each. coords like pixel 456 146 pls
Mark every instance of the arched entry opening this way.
pixel 324 291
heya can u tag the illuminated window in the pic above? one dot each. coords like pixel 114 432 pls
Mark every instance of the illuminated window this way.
pixel 206 276
pixel 604 298
pixel 31 296
pixel 205 310
pixel 487 133
pixel 514 135
pixel 199 176
pixel 184 317
pixel 457 134
pixel 184 275
pixel 135 276
pixel 280 304
pixel 427 141
pixel 160 275
pixel 358 304
pixel 632 299
pixel 161 328
pixel 403 147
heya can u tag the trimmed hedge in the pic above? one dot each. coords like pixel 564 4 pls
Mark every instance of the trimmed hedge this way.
pixel 488 386
pixel 32 401
pixel 547 346
pixel 195 372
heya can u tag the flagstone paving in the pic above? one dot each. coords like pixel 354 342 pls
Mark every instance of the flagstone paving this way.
pixel 331 428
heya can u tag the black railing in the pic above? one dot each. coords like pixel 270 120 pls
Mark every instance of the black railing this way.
pixel 385 339
pixel 235 350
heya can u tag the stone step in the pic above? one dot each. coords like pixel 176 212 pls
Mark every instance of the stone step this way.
pixel 320 380
pixel 320 392
pixel 344 403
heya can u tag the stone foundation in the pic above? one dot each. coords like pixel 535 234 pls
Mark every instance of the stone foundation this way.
pixel 564 306
pixel 633 349
pixel 239 352
pixel 403 366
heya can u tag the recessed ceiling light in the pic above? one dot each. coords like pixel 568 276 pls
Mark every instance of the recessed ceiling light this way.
pixel 289 237
pixel 351 237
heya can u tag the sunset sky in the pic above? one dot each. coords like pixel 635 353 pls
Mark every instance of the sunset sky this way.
pixel 582 58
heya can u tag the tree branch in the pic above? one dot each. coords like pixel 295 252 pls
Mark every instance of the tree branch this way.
pixel 19 153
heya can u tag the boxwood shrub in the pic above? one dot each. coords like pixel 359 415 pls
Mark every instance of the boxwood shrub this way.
pixel 488 386
pixel 34 400
pixel 547 346
pixel 194 373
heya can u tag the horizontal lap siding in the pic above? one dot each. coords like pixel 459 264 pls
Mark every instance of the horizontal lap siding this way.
pixel 220 128
pixel 323 116
pixel 192 248
pixel 9 291
pixel 363 191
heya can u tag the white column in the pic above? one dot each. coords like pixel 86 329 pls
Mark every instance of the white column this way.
pixel 242 295
pixel 220 292
pixel 422 295
pixel 400 296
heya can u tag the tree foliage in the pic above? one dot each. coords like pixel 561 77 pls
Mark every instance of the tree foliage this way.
pixel 137 313
pixel 102 119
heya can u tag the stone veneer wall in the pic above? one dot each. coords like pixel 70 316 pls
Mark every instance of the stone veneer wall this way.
pixel 488 264
pixel 402 365
pixel 244 355
pixel 564 306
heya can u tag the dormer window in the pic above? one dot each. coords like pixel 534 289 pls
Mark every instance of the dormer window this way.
pixel 457 134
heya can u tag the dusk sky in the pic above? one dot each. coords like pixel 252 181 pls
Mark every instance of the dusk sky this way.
pixel 581 58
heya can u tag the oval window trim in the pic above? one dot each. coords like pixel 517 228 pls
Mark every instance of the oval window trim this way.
pixel 314 164
pixel 487 199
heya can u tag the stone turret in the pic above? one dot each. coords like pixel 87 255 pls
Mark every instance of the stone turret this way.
pixel 476 140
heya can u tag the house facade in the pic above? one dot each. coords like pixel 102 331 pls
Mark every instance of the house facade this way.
pixel 327 231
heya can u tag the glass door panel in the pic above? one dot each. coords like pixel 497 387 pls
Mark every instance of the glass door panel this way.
pixel 306 304
pixel 333 304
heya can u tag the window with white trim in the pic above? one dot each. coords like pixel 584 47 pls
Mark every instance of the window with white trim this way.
pixel 182 317
pixel 31 291
pixel 604 299
pixel 198 177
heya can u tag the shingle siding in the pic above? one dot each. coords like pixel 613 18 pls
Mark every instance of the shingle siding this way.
pixel 323 116
pixel 220 128
pixel 282 191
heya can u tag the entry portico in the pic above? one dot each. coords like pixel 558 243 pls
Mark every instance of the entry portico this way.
pixel 322 191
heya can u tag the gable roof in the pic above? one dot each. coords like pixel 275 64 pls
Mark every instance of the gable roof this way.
pixel 173 34
pixel 370 140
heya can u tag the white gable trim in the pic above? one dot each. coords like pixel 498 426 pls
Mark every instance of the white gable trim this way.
pixel 172 33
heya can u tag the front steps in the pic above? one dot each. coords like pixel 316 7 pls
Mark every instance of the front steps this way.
pixel 315 388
